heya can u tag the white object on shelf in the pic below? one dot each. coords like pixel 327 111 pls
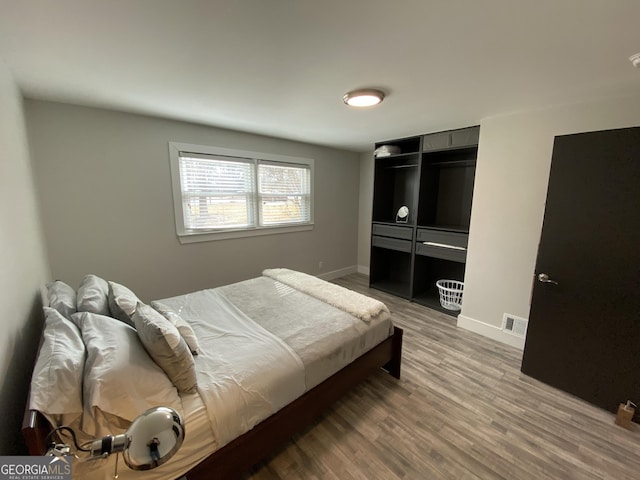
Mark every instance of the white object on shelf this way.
pixel 450 294
pixel 403 214
pixel 386 151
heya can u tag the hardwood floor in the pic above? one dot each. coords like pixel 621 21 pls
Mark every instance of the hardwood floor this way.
pixel 462 410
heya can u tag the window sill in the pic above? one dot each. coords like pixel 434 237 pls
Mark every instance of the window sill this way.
pixel 241 233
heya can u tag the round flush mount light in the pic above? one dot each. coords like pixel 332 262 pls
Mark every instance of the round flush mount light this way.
pixel 635 60
pixel 366 97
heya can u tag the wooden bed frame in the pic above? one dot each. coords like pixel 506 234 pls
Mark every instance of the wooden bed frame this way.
pixel 238 456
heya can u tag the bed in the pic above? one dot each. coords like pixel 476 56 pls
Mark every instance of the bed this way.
pixel 268 356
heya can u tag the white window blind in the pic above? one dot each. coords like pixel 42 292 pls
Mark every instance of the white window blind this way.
pixel 284 193
pixel 229 193
pixel 216 192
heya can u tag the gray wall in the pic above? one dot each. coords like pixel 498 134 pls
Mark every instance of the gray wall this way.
pixel 23 267
pixel 104 182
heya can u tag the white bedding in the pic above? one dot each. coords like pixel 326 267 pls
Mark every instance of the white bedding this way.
pixel 262 345
pixel 245 374
pixel 325 337
pixel 354 303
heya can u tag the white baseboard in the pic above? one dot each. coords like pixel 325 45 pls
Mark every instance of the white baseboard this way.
pixel 490 331
pixel 364 270
pixel 338 273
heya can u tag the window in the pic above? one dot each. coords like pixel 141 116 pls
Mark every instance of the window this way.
pixel 221 193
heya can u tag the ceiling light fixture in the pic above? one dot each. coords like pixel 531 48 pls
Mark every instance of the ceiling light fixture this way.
pixel 635 60
pixel 366 97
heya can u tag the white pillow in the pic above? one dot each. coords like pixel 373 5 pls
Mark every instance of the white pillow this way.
pixel 121 381
pixel 183 327
pixel 122 302
pixel 56 384
pixel 93 295
pixel 165 345
pixel 62 297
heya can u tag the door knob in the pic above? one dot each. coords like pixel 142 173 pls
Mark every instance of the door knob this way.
pixel 544 278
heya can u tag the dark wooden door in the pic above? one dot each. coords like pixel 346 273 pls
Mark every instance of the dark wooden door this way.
pixel 584 332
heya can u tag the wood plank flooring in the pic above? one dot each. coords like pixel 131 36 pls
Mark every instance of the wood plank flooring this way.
pixel 462 410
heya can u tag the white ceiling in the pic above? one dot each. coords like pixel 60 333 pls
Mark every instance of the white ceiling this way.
pixel 280 67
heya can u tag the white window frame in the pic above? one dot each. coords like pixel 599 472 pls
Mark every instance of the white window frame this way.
pixel 192 236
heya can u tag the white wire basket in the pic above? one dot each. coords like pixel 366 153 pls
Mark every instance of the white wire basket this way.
pixel 450 294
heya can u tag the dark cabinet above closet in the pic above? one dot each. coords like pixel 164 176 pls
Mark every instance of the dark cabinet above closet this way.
pixel 432 176
pixel 452 139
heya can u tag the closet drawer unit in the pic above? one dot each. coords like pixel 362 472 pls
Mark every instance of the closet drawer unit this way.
pixel 392 231
pixel 446 238
pixel 440 244
pixel 391 244
pixel 445 253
